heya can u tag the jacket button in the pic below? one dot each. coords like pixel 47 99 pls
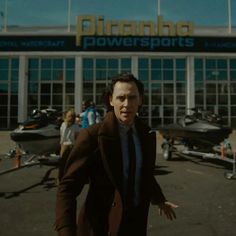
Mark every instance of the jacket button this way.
pixel 113 204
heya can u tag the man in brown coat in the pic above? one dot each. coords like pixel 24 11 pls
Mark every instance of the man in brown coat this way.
pixel 101 157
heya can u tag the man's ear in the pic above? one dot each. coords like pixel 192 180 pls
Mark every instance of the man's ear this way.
pixel 110 99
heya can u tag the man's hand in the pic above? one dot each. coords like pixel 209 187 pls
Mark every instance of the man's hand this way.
pixel 167 209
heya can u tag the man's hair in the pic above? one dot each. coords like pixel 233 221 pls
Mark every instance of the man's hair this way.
pixel 124 77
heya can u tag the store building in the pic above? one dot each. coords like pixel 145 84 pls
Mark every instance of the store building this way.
pixel 181 65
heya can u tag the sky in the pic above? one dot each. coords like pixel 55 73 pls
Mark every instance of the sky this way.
pixel 55 12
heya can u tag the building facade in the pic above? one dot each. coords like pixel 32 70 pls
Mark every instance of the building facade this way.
pixel 42 68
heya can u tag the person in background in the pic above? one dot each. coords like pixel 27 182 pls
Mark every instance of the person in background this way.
pixel 90 115
pixel 117 156
pixel 69 131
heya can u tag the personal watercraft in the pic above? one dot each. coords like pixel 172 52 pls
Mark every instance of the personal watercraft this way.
pixel 200 131
pixel 40 134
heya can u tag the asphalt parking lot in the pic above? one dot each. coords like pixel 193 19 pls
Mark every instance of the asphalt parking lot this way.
pixel 206 199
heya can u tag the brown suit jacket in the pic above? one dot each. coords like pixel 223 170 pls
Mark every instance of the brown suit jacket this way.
pixel 96 157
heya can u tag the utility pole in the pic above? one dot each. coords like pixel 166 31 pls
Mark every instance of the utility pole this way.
pixel 5 16
pixel 229 17
pixel 158 7
pixel 69 15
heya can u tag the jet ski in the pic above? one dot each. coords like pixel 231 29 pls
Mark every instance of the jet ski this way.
pixel 40 134
pixel 200 131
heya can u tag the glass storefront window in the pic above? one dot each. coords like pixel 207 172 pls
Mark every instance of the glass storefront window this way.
pixel 15 63
pixel 168 75
pixel 198 64
pixel 70 75
pixel 57 75
pixel 156 75
pixel 45 88
pixel 3 75
pixel 111 73
pixel 87 75
pixel 211 88
pixel 100 87
pixel 46 63
pixel 211 99
pixel 88 87
pixel 14 99
pixel 156 88
pixel 232 75
pixel 4 64
pixel 222 75
pixel 101 63
pixel 156 99
pixel 168 99
pixel 70 88
pixel 222 64
pixel 143 75
pixel 45 100
pixel 46 75
pixel 101 75
pixel 87 63
pixel 70 63
pixel 112 64
pixel 33 75
pixel 14 87
pixel 168 63
pixel 180 88
pixel 223 99
pixel 168 88
pixel 126 63
pixel 168 111
pixel 143 63
pixel 57 99
pixel 180 75
pixel 233 110
pixel 156 64
pixel 180 100
pixel 180 64
pixel 199 88
pixel 210 63
pixel 57 64
pixel 33 63
pixel 211 74
pixel 33 87
pixel 198 75
pixel 233 99
pixel 56 88
pixel 232 63
pixel 199 99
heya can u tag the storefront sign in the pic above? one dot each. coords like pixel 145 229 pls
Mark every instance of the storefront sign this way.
pixel 31 43
pixel 91 26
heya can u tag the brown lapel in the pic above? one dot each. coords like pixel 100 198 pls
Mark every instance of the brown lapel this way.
pixel 109 142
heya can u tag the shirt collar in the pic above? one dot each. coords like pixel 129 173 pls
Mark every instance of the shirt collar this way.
pixel 123 129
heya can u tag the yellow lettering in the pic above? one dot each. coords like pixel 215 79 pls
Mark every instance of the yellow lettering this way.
pixel 112 28
pixel 164 26
pixel 147 28
pixel 184 28
pixel 100 28
pixel 127 28
pixel 86 25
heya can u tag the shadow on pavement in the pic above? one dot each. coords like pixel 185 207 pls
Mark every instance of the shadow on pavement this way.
pixel 47 181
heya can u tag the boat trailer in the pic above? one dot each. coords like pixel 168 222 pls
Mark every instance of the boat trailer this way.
pixel 224 152
pixel 32 160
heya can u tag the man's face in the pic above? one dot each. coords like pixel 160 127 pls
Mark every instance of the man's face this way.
pixel 126 101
